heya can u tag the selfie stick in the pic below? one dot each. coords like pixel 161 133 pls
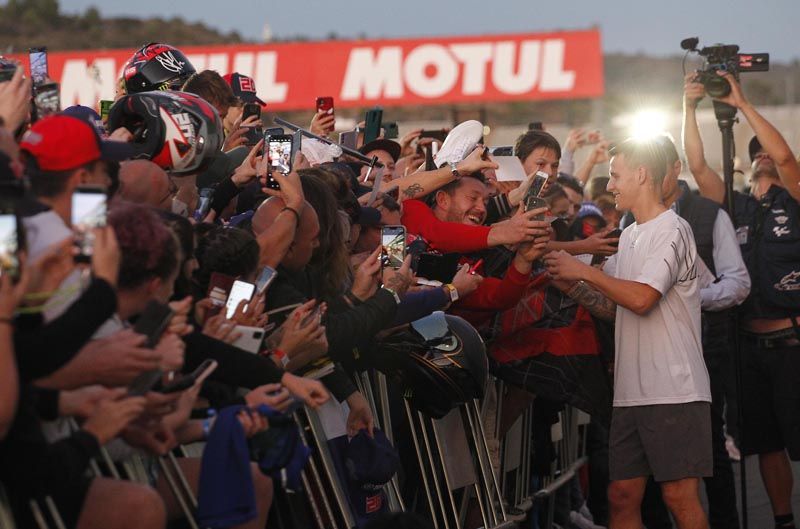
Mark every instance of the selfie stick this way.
pixel 347 150
pixel 726 117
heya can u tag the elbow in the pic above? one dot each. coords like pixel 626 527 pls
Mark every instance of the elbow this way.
pixel 642 306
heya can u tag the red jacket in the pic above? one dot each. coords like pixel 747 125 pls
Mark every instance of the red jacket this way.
pixel 444 237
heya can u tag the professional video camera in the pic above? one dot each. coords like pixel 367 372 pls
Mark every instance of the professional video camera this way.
pixel 724 57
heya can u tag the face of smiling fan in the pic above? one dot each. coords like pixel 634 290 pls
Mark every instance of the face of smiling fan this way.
pixel 467 204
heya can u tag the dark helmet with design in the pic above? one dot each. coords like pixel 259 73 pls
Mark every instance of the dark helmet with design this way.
pixel 440 363
pixel 156 66
pixel 181 132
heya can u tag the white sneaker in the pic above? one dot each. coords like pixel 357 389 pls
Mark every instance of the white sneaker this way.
pixel 459 143
pixel 577 520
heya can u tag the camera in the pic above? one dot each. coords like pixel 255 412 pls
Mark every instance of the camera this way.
pixel 726 58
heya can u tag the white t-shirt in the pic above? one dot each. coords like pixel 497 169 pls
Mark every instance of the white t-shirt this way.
pixel 659 356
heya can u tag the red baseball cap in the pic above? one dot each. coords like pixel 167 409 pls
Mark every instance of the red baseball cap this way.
pixel 61 143
pixel 243 87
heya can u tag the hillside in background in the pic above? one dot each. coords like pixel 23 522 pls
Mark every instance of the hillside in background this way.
pixel 632 81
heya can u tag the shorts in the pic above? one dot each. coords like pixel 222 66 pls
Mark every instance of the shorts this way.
pixel 667 441
pixel 770 398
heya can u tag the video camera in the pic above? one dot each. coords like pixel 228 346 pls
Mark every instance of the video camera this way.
pixel 724 57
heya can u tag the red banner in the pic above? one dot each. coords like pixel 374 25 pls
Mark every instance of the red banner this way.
pixel 562 65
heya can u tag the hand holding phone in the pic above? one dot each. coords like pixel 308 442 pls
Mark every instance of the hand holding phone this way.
pixel 253 134
pixel 11 243
pixel 202 372
pixel 279 156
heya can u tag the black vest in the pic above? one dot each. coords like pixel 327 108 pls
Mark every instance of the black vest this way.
pixel 769 237
pixel 701 214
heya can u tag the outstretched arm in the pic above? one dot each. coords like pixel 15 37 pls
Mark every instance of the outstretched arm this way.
pixel 708 181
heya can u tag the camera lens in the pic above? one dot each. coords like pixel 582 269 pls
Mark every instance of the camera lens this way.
pixel 717 87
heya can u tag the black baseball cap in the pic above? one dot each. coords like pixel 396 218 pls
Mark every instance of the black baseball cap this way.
pixel 392 147
pixel 754 147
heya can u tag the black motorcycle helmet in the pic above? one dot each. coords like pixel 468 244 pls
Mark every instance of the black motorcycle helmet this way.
pixel 180 132
pixel 436 375
pixel 156 66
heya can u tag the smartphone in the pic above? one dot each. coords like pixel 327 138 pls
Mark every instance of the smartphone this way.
pixel 46 100
pixel 349 139
pixel 265 278
pixel 145 382
pixel 89 210
pixel 372 128
pixel 202 372
pixel 297 144
pixel 615 234
pixel 241 290
pixel 280 153
pixel 254 134
pixel 391 130
pixel 505 150
pixel 393 246
pixel 7 72
pixel 535 125
pixel 325 104
pixel 11 242
pixel 105 109
pixel 38 60
pixel 250 338
pixel 438 135
pixel 153 322
pixel 438 267
pixel 218 287
pixel 315 314
pixel 538 183
pixel 205 198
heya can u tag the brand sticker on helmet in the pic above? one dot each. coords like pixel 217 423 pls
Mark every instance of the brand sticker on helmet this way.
pixel 168 61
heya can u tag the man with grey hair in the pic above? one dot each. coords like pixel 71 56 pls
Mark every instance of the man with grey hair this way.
pixel 661 422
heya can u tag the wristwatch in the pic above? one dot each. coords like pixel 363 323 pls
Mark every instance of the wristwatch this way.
pixel 396 297
pixel 453 291
pixel 454 170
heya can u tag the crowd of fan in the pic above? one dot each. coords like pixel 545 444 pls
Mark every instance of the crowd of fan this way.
pixel 70 357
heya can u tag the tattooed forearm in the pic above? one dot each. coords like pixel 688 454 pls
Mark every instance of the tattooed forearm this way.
pixel 594 301
pixel 413 190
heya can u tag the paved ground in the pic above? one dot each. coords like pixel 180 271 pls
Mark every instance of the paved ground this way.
pixel 759 510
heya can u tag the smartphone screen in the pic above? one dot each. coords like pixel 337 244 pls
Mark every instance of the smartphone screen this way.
pixel 38 59
pixel 538 183
pixel 393 242
pixel 47 100
pixel 265 278
pixel 105 109
pixel 88 212
pixel 391 131
pixel 325 104
pixel 9 245
pixel 240 290
pixel 280 153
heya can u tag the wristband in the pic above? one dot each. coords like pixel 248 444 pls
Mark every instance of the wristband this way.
pixel 454 170
pixel 282 357
pixel 296 214
pixel 393 293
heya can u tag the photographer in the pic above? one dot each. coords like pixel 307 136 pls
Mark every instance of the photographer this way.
pixel 768 227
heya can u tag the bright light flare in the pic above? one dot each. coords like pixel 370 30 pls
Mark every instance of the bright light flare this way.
pixel 647 124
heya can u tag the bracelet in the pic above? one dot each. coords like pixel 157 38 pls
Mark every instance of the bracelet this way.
pixel 296 214
pixel 209 422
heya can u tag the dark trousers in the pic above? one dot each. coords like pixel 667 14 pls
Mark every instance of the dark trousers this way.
pixel 720 489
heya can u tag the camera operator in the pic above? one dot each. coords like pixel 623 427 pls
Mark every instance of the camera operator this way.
pixel 768 233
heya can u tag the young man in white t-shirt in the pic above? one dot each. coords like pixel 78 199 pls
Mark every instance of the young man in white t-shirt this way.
pixel 661 422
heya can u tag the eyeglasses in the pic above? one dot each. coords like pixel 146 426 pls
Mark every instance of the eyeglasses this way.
pixel 172 191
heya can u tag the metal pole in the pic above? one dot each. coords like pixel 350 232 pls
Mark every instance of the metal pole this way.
pixel 726 116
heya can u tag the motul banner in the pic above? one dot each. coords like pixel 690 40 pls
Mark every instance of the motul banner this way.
pixel 562 65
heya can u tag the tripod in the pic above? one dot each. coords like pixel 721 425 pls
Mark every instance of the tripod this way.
pixel 726 117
